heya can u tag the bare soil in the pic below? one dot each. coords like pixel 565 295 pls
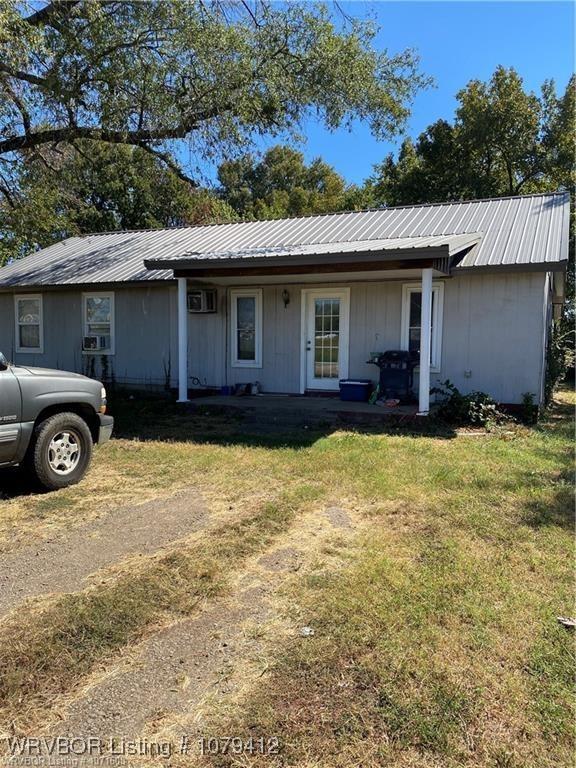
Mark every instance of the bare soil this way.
pixel 66 563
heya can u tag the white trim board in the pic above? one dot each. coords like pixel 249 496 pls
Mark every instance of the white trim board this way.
pixel 100 295
pixel 29 350
pixel 256 293
pixel 437 318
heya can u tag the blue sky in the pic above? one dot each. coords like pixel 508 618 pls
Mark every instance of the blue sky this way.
pixel 457 41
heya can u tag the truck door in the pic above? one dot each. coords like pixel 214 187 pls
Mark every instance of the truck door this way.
pixel 10 415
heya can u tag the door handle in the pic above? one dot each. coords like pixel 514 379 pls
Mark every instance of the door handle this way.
pixel 308 346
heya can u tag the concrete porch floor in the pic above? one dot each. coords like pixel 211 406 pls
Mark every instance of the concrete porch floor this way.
pixel 301 407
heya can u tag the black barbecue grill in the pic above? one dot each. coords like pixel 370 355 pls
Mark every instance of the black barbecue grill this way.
pixel 396 373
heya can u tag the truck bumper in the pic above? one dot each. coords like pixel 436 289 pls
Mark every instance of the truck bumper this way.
pixel 106 427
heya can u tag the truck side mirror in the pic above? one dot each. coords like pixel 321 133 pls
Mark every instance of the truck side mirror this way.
pixel 3 363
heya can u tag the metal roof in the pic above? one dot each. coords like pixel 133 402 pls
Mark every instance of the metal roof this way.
pixel 451 243
pixel 515 232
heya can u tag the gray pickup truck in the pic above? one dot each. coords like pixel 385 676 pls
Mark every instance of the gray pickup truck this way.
pixel 49 422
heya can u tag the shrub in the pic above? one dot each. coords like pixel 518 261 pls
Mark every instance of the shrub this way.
pixel 477 408
pixel 529 411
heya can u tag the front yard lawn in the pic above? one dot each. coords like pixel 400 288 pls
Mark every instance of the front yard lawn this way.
pixel 435 634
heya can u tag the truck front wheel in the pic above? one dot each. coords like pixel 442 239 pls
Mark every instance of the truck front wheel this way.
pixel 61 451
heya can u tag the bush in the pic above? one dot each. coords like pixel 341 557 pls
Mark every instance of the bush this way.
pixel 476 409
pixel 529 410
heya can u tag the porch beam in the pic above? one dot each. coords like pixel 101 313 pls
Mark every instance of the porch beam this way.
pixel 308 269
pixel 425 339
pixel 182 340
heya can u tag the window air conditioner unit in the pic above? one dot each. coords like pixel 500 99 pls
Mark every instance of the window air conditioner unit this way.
pixel 203 301
pixel 96 343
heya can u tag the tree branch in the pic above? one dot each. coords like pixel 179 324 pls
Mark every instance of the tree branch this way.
pixel 110 136
pixel 169 162
pixel 26 122
pixel 19 74
pixel 56 135
pixel 250 12
pixel 5 190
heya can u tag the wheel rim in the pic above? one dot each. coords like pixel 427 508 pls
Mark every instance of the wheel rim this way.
pixel 64 452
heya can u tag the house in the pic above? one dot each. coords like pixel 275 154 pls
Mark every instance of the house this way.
pixel 298 304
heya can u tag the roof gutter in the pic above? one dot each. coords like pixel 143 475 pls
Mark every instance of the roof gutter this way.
pixel 545 266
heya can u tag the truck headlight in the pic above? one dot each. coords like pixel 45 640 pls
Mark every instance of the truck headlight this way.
pixel 103 401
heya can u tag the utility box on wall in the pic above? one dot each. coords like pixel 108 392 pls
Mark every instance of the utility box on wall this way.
pixel 202 301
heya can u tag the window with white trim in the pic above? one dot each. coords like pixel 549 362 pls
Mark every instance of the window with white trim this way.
pixel 411 317
pixel 29 323
pixel 246 328
pixel 98 323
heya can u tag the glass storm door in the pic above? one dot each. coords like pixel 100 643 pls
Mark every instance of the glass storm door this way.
pixel 326 338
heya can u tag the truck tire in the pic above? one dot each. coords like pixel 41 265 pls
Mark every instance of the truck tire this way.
pixel 60 451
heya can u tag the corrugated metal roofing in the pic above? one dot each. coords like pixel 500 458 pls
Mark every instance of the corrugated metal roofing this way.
pixel 453 243
pixel 516 231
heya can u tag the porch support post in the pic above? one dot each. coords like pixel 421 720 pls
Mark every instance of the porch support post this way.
pixel 182 341
pixel 425 337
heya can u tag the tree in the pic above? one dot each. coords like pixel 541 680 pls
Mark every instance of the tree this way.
pixel 498 127
pixel 503 141
pixel 213 72
pixel 559 136
pixel 281 185
pixel 96 188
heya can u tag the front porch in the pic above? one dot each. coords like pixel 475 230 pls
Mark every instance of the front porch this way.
pixel 303 410
pixel 298 319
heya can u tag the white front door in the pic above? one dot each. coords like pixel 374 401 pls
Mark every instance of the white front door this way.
pixel 325 337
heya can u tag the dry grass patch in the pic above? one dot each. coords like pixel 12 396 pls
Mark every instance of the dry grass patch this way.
pixel 126 472
pixel 447 658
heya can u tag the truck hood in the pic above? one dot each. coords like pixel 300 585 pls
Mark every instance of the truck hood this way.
pixel 24 370
pixel 42 388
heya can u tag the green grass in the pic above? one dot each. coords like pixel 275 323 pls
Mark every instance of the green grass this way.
pixel 448 652
pixel 437 643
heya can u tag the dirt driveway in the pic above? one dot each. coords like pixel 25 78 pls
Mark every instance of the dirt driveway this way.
pixel 183 661
pixel 66 562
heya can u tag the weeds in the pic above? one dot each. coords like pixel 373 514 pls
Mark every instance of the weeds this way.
pixel 477 408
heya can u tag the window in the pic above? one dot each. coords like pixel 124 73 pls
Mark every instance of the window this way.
pixel 98 323
pixel 246 326
pixel 29 324
pixel 411 306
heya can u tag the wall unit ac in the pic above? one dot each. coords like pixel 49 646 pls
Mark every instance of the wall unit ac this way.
pixel 96 343
pixel 202 301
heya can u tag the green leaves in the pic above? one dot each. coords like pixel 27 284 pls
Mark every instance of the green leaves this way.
pixel 503 141
pixel 76 75
pixel 281 185
pixel 96 187
pixel 212 73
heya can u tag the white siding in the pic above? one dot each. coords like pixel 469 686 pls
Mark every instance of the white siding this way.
pixel 494 329
pixel 492 334
pixel 207 343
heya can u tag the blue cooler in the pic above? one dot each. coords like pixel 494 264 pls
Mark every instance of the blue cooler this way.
pixel 355 390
